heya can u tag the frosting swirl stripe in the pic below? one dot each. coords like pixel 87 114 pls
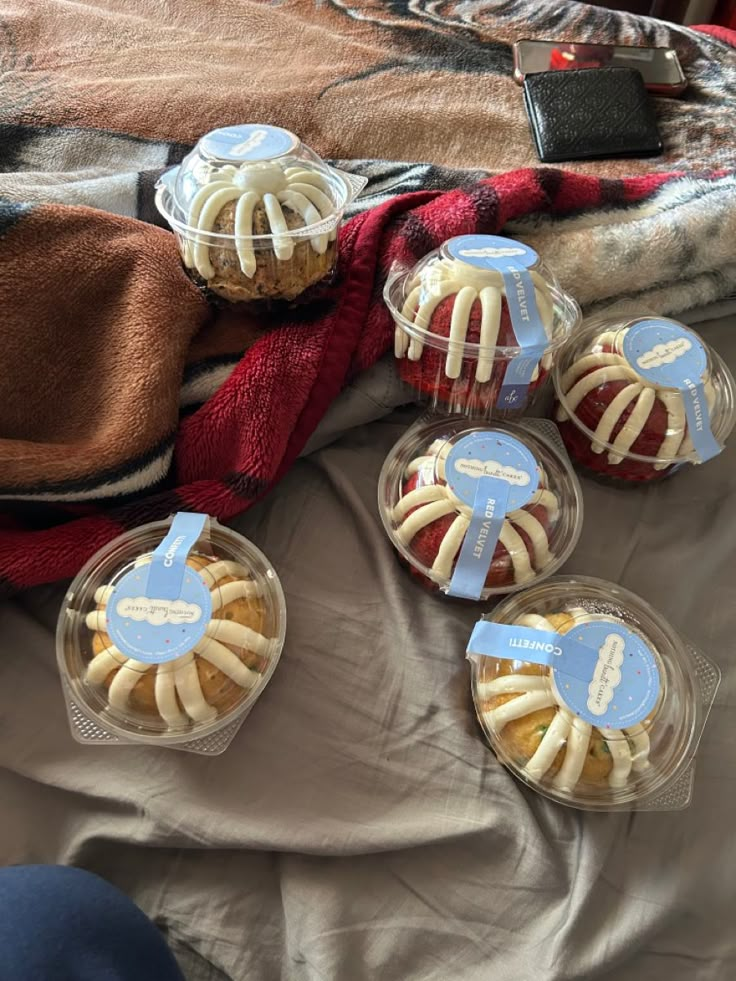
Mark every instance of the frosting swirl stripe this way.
pixel 212 207
pixel 602 359
pixel 613 413
pixel 676 426
pixel 549 746
pixel 189 690
pixel 450 546
pixel 516 683
pixel 490 325
pixel 231 591
pixel 165 694
pixel 514 545
pixel 303 206
pixel 124 682
pixel 97 620
pixel 631 429
pixel 534 620
pixel 459 323
pixel 546 499
pixel 243 227
pixel 518 707
pixel 282 245
pixel 422 517
pixel 420 495
pixel 237 634
pixel 415 465
pixel 576 748
pixel 639 740
pixel 536 532
pixel 620 755
pixel 214 571
pixel 227 662
pixel 109 659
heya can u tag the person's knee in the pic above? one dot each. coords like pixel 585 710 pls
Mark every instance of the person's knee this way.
pixel 61 922
pixel 75 887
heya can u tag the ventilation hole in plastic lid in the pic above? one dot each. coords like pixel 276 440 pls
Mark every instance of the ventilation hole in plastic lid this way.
pixel 676 797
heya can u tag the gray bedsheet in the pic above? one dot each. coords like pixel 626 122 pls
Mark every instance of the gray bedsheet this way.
pixel 358 827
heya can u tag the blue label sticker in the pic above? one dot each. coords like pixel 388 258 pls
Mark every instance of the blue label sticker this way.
pixel 602 671
pixel 517 643
pixel 513 260
pixel 248 142
pixel 624 685
pixel 530 334
pixel 492 454
pixel 492 473
pixel 670 356
pixel 518 377
pixel 159 611
pixel 489 512
pixel 491 252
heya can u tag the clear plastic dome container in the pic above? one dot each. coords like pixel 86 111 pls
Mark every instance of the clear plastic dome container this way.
pixel 478 323
pixel 637 398
pixel 612 721
pixel 181 666
pixel 434 497
pixel 256 212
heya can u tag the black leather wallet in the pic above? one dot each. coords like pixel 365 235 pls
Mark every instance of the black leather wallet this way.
pixel 591 112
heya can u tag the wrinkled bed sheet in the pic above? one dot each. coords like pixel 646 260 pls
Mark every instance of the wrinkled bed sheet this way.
pixel 357 828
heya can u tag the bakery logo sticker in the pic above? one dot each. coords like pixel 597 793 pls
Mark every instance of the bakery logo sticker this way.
pixel 607 674
pixel 158 612
pixel 622 684
pixel 489 252
pixel 247 143
pixel 252 143
pixel 492 454
pixel 492 468
pixel 662 354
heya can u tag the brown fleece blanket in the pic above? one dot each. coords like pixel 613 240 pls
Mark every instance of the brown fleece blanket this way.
pixel 91 353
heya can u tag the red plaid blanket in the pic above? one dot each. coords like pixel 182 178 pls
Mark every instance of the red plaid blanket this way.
pixel 237 445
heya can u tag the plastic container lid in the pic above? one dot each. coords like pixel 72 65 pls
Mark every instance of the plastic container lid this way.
pixel 280 193
pixel 478 510
pixel 170 632
pixel 588 695
pixel 475 305
pixel 644 391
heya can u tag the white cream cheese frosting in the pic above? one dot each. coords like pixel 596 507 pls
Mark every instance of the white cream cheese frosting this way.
pixel 275 187
pixel 468 285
